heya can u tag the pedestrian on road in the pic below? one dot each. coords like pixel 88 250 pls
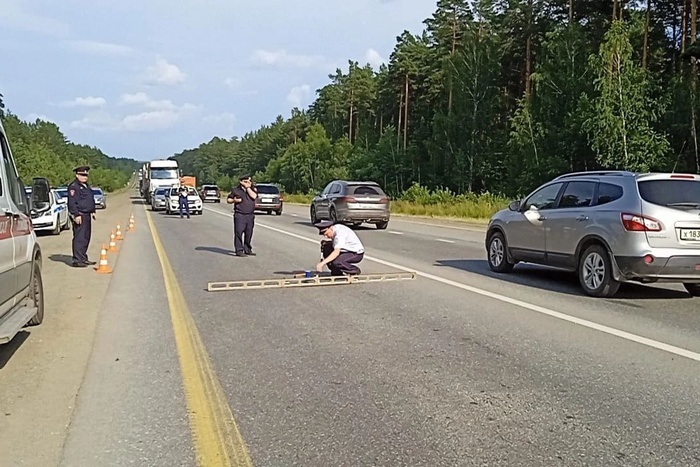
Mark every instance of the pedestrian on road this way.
pixel 184 204
pixel 243 198
pixel 341 249
pixel 81 208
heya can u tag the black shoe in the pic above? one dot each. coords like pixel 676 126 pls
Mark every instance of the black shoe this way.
pixel 79 265
pixel 91 263
pixel 240 253
pixel 250 253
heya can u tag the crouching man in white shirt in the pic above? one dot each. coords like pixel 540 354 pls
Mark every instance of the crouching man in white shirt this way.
pixel 341 249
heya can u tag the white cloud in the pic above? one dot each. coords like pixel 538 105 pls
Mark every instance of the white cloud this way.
pixel 282 58
pixel 16 17
pixel 299 95
pixel 89 101
pixel 374 58
pixel 164 73
pixel 224 121
pixel 99 48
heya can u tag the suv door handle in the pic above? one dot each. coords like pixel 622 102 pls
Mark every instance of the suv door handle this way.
pixel 582 217
pixel 542 218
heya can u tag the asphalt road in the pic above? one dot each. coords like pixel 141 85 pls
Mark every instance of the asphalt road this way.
pixel 458 367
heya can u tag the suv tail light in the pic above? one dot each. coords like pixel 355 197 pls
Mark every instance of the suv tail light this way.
pixel 637 223
pixel 348 199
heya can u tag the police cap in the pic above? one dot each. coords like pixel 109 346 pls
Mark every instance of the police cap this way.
pixel 322 226
pixel 244 177
pixel 83 169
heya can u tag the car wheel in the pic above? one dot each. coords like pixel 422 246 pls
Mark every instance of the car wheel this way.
pixel 57 229
pixel 498 254
pixel 693 289
pixel 382 225
pixel 36 295
pixel 279 213
pixel 334 216
pixel 269 212
pixel 314 219
pixel 595 272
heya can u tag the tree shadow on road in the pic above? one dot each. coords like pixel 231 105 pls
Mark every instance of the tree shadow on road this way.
pixel 65 259
pixel 216 249
pixel 9 349
pixel 555 280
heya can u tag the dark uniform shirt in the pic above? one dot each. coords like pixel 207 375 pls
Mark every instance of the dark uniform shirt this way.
pixel 80 199
pixel 247 206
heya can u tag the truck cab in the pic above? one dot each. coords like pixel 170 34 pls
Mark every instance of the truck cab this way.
pixel 21 284
pixel 160 173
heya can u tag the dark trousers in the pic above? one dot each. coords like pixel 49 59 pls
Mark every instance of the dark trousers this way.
pixel 243 227
pixel 345 263
pixel 81 238
pixel 184 206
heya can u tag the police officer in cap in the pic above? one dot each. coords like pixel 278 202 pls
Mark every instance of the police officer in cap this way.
pixel 243 198
pixel 81 208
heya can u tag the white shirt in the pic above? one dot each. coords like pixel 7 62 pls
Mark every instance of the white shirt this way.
pixel 347 240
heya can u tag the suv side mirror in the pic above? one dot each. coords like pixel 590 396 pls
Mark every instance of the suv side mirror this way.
pixel 515 205
pixel 41 192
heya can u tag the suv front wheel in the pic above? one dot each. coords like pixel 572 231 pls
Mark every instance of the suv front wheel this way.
pixel 595 272
pixel 498 254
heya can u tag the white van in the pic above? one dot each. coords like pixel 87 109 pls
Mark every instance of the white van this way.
pixel 21 285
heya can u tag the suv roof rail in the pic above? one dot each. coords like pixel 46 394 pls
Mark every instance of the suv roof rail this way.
pixel 597 173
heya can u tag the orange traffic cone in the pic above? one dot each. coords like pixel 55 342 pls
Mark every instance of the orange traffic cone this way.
pixel 131 227
pixel 103 267
pixel 119 233
pixel 112 243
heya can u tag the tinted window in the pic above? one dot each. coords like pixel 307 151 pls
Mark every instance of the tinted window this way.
pixel 336 188
pixel 544 198
pixel 267 189
pixel 577 195
pixel 607 193
pixel 160 191
pixel 669 192
pixel 96 191
pixel 366 190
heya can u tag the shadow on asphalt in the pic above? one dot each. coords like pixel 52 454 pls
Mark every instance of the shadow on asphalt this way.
pixel 9 349
pixel 65 259
pixel 359 227
pixel 555 280
pixel 216 249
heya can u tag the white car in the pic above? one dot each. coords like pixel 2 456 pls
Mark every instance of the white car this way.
pixel 55 219
pixel 173 203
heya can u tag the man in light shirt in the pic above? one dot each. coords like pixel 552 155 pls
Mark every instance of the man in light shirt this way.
pixel 341 249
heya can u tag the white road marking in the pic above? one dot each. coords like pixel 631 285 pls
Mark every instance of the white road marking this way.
pixel 529 306
pixel 395 232
pixel 444 226
pixel 444 241
pixel 295 215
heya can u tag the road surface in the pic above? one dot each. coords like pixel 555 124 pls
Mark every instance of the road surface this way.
pixel 458 367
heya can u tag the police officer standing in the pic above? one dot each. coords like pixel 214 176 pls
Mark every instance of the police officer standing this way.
pixel 81 208
pixel 243 198
pixel 184 203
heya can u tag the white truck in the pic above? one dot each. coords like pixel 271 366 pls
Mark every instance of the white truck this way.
pixel 157 174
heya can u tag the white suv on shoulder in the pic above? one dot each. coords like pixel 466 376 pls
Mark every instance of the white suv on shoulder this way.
pixel 21 285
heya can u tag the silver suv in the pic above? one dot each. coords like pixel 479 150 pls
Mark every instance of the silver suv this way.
pixel 608 227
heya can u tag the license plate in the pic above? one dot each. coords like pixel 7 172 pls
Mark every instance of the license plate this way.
pixel 367 206
pixel 266 200
pixel 690 234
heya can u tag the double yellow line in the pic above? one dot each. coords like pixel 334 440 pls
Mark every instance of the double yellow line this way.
pixel 217 440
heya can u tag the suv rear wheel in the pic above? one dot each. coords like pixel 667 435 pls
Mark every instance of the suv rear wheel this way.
pixel 36 295
pixel 498 254
pixel 595 272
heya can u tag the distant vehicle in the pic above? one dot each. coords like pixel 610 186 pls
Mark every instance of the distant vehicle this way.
pixel 21 283
pixel 100 198
pixel 269 199
pixel 609 227
pixel 159 199
pixel 159 173
pixel 55 219
pixel 210 193
pixel 352 202
pixel 193 200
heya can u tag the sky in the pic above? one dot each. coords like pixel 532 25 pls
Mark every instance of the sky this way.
pixel 146 79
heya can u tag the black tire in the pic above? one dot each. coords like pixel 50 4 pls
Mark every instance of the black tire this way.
pixel 497 254
pixel 693 289
pixel 278 213
pixel 269 212
pixel 595 272
pixel 314 219
pixel 333 215
pixel 57 229
pixel 382 225
pixel 36 295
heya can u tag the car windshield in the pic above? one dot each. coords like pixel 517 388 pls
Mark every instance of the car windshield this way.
pixel 267 189
pixel 160 191
pixel 210 188
pixel 672 193
pixel 163 174
pixel 97 191
pixel 62 193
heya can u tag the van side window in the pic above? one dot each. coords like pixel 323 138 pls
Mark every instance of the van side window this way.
pixel 14 186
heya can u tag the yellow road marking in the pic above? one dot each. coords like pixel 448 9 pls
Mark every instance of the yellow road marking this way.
pixel 217 440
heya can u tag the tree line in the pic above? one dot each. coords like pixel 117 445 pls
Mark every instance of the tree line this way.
pixel 492 96
pixel 42 150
